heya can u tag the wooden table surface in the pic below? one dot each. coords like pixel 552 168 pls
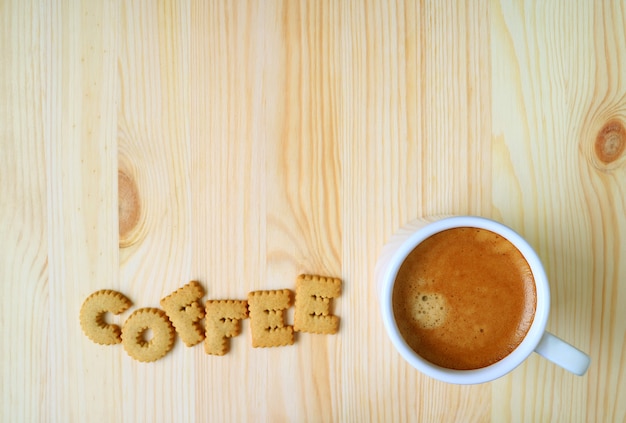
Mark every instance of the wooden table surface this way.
pixel 148 143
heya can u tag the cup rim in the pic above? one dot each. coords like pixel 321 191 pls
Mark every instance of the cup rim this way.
pixel 508 363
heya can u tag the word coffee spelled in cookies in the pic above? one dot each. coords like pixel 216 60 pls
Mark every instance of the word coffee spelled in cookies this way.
pixel 149 333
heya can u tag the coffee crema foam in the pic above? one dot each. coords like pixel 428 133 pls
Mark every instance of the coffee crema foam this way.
pixel 429 310
pixel 464 298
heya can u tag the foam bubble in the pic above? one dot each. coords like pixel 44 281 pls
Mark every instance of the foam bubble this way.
pixel 429 310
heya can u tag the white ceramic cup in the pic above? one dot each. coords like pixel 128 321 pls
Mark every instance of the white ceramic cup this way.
pixel 537 339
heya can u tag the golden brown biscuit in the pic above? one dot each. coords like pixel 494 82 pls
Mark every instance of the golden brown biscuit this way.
pixel 223 321
pixel 134 332
pixel 267 318
pixel 313 301
pixel 92 316
pixel 185 312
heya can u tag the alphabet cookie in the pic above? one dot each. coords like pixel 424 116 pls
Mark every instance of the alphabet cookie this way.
pixel 267 318
pixel 134 334
pixel 223 321
pixel 92 316
pixel 313 301
pixel 184 310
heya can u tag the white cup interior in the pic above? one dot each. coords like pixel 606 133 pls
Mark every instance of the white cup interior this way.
pixel 389 269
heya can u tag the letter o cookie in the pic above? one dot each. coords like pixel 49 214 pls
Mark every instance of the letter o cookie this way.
pixel 135 327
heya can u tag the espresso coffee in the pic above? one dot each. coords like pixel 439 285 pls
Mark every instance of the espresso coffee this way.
pixel 464 298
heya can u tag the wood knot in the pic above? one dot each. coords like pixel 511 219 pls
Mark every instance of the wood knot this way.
pixel 129 209
pixel 610 141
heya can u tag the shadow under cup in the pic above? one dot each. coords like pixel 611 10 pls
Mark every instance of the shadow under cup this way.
pixel 400 247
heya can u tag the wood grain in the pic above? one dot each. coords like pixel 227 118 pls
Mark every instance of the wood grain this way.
pixel 145 144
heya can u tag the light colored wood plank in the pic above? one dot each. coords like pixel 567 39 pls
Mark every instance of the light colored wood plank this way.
pixel 412 89
pixel 269 148
pixel 304 192
pixel 556 82
pixel 59 111
pixel 80 145
pixel 24 228
pixel 228 73
pixel 154 151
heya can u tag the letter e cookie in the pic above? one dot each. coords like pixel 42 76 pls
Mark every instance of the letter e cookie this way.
pixel 267 318
pixel 313 301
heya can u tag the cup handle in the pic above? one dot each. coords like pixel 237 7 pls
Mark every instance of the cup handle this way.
pixel 563 354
